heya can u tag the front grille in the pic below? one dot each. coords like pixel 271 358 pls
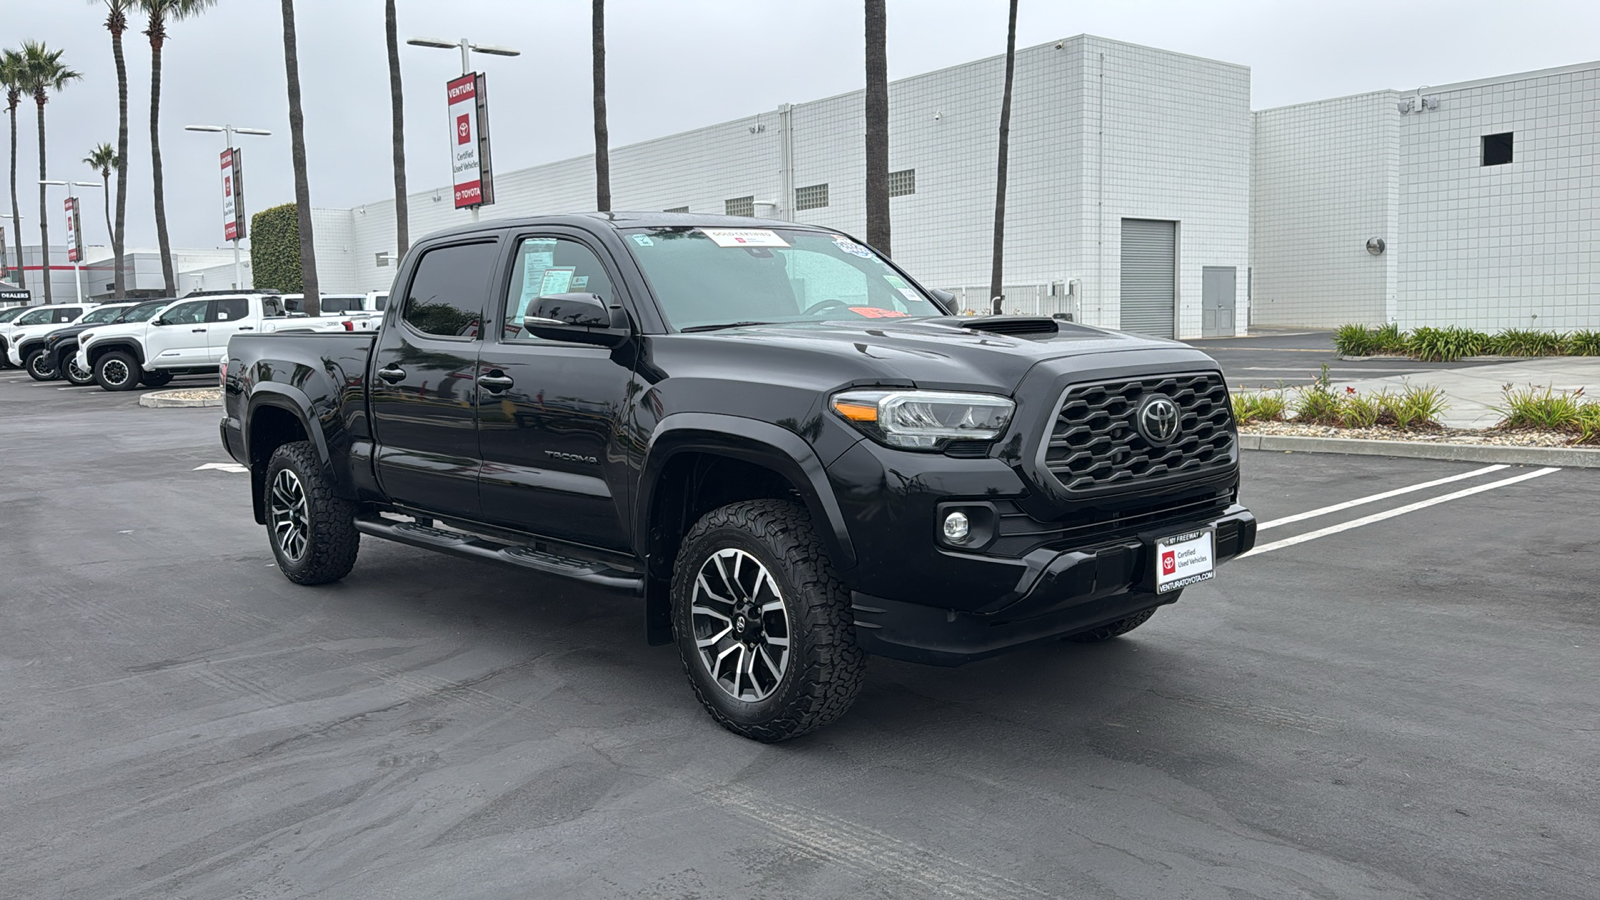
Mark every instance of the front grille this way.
pixel 1020 533
pixel 1094 443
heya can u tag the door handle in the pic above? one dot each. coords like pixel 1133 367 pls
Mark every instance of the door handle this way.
pixel 495 383
pixel 392 374
pixel 247 328
pixel 198 330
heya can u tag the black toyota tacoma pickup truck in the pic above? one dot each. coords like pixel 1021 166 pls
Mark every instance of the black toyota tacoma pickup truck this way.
pixel 795 454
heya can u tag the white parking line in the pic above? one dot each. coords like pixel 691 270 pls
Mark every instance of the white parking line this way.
pixel 1398 511
pixel 1362 501
pixel 77 387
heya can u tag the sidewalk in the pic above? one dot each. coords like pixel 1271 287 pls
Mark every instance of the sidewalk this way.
pixel 1472 391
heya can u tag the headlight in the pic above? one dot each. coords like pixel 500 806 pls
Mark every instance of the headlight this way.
pixel 924 420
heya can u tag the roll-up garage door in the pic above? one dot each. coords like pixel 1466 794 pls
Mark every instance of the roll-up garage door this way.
pixel 1149 276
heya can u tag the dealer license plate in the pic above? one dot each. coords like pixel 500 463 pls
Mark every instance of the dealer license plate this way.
pixel 1185 559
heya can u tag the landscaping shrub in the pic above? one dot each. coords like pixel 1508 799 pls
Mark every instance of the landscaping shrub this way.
pixel 1361 411
pixel 1583 343
pixel 1353 340
pixel 1525 342
pixel 1388 339
pixel 1546 409
pixel 1447 344
pixel 1259 406
pixel 1319 404
pixel 1413 407
pixel 275 249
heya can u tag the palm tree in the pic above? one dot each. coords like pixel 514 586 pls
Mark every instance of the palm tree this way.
pixel 397 114
pixel 877 103
pixel 11 77
pixel 160 13
pixel 1000 173
pixel 297 144
pixel 117 23
pixel 602 139
pixel 103 159
pixel 43 74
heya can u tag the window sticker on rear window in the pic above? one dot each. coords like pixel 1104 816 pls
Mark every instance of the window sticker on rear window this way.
pixel 744 237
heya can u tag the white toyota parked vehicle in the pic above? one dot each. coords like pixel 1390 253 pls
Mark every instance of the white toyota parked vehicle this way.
pixel 185 339
pixel 35 323
pixel 364 311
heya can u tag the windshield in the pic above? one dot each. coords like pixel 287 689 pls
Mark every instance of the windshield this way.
pixel 101 315
pixel 36 315
pixel 144 312
pixel 12 313
pixel 709 277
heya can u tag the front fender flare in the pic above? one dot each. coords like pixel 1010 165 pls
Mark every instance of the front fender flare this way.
pixel 754 441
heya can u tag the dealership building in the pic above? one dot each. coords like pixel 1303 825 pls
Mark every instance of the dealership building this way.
pixel 1144 193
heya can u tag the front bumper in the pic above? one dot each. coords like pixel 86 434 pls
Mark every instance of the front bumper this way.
pixel 13 355
pixel 1060 593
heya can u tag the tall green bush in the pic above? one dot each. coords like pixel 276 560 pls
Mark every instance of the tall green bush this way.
pixel 275 249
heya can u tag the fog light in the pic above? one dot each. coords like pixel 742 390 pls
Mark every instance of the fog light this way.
pixel 956 527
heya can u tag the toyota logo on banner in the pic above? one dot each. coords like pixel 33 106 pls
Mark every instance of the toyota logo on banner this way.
pixel 1157 419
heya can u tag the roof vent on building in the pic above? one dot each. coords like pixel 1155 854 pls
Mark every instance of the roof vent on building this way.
pixel 1011 324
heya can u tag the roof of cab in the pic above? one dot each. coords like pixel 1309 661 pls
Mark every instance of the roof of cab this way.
pixel 618 220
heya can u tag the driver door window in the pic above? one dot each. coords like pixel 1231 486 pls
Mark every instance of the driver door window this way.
pixel 191 313
pixel 545 266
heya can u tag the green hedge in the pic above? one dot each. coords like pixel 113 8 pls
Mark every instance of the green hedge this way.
pixel 1453 343
pixel 275 249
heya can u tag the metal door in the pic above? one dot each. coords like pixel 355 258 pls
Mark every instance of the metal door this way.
pixel 1149 277
pixel 1217 300
pixel 177 337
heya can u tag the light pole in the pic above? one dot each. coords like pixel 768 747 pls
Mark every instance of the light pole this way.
pixel 228 131
pixel 77 262
pixel 467 49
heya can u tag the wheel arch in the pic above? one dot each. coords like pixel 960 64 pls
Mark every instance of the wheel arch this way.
pixel 279 415
pixel 101 348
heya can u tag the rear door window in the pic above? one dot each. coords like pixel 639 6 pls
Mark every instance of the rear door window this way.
pixel 67 314
pixel 230 309
pixel 448 290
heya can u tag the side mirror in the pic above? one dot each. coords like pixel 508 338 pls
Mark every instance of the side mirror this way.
pixel 577 319
pixel 944 297
pixel 158 321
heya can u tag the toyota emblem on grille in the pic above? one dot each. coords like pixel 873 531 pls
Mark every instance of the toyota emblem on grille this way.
pixel 1158 419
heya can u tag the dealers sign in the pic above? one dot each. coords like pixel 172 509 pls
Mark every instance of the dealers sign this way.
pixel 232 195
pixel 74 232
pixel 471 173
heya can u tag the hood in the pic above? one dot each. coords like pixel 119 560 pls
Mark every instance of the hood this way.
pixel 94 332
pixel 990 353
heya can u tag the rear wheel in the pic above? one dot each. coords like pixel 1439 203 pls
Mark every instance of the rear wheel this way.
pixel 311 529
pixel 117 371
pixel 39 366
pixel 763 624
pixel 73 374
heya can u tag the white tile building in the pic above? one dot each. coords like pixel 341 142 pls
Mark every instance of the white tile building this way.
pixel 1107 138
pixel 1485 194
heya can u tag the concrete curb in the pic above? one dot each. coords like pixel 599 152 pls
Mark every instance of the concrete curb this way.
pixel 166 400
pixel 1566 457
pixel 1465 359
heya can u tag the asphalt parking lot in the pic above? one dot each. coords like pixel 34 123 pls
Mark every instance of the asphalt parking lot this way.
pixel 1396 698
pixel 1274 359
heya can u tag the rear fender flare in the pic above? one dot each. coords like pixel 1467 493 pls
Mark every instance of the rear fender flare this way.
pixel 296 403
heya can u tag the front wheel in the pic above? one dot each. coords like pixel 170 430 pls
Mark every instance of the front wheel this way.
pixel 39 366
pixel 763 624
pixel 117 371
pixel 311 529
pixel 73 374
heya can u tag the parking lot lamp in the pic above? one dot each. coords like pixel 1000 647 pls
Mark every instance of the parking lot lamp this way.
pixel 467 48
pixel 77 258
pixel 228 131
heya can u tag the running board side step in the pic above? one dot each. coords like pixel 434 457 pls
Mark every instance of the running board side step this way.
pixel 473 546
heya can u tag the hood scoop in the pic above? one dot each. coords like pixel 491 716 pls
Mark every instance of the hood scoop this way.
pixel 1011 325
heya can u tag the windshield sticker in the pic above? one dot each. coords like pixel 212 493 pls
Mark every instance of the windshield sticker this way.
pixel 851 247
pixel 533 267
pixel 744 237
pixel 580 282
pixel 905 290
pixel 873 312
pixel 643 240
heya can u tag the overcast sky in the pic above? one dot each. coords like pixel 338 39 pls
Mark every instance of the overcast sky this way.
pixel 673 65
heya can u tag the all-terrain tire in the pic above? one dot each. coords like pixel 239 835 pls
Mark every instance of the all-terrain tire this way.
pixel 825 667
pixel 312 530
pixel 74 375
pixel 117 371
pixel 39 366
pixel 1112 629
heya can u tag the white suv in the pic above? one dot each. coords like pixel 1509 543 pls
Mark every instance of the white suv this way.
pixel 36 323
pixel 187 338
